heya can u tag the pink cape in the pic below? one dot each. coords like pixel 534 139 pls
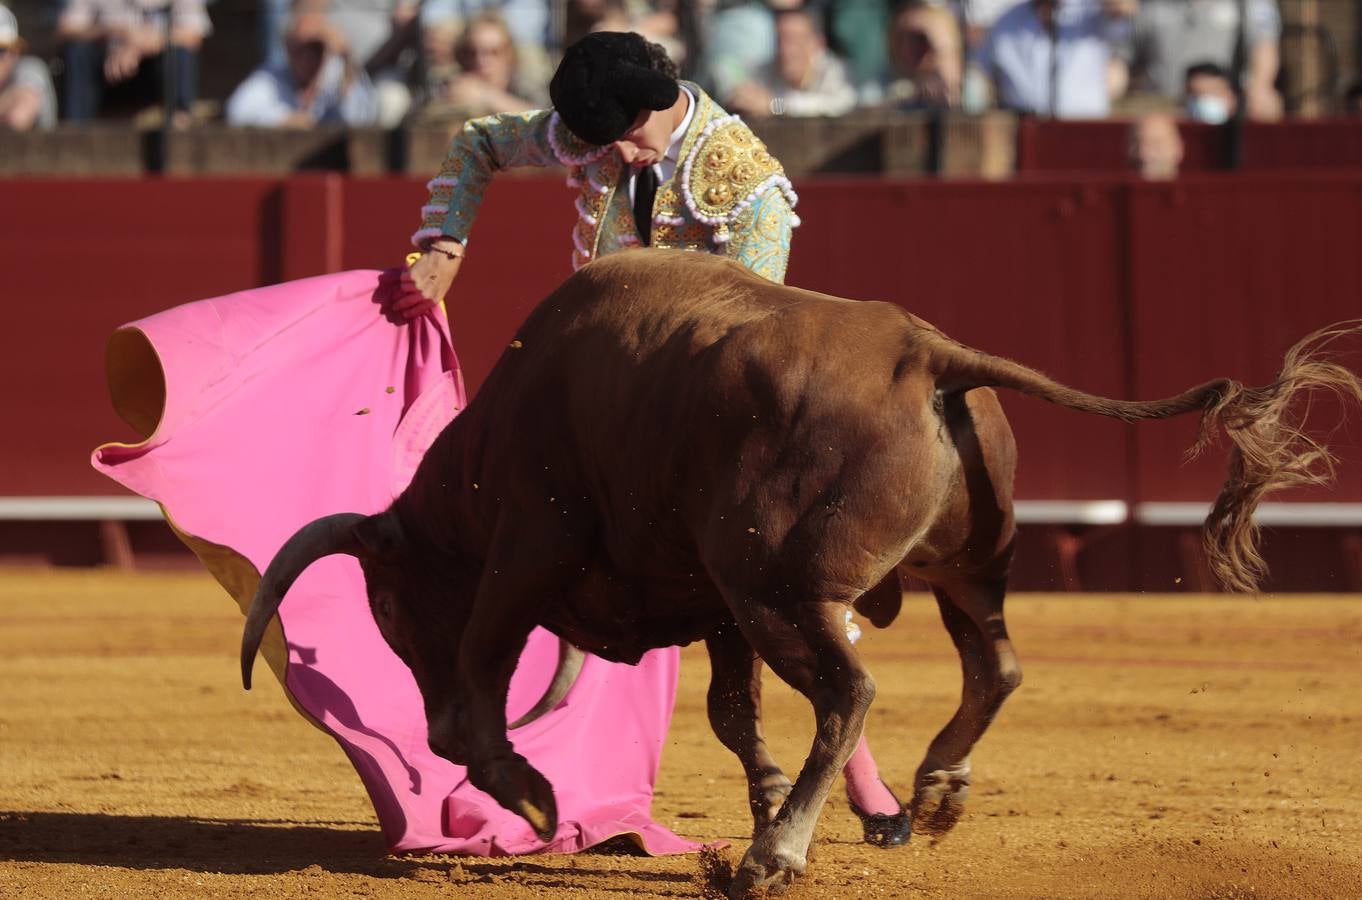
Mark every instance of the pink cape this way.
pixel 266 409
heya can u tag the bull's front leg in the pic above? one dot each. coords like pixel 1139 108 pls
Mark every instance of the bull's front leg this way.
pixel 807 646
pixel 518 579
pixel 735 716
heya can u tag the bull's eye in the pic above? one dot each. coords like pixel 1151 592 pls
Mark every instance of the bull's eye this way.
pixel 382 607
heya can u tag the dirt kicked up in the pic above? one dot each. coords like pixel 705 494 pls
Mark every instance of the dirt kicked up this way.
pixel 1161 746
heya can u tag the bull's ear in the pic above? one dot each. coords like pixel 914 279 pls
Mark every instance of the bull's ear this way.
pixel 380 536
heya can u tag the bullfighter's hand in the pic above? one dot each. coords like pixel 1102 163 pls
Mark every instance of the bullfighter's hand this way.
pixel 424 284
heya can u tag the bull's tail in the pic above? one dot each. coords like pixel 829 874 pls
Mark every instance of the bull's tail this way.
pixel 1269 452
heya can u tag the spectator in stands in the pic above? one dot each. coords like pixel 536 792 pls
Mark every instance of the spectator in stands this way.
pixel 1173 35
pixel 320 82
pixel 528 20
pixel 656 20
pixel 1208 95
pixel 805 79
pixel 484 77
pixel 113 51
pixel 858 30
pixel 382 36
pixel 27 99
pixel 1063 58
pixel 443 23
pixel 1156 147
pixel 925 59
pixel 977 19
pixel 739 39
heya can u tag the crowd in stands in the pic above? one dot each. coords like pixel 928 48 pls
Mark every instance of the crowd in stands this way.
pixel 383 62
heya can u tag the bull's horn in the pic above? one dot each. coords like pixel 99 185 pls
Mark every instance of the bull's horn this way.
pixel 323 537
pixel 570 661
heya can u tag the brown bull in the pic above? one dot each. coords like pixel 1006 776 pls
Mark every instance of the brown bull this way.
pixel 673 450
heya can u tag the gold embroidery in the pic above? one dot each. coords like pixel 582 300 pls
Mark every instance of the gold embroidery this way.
pixel 734 164
pixel 689 233
pixel 718 195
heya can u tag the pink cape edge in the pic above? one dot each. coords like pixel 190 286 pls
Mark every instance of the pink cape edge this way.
pixel 265 409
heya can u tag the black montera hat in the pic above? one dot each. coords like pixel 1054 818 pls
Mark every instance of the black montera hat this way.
pixel 604 81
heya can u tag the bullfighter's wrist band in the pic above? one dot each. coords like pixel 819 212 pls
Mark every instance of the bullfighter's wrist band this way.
pixel 447 253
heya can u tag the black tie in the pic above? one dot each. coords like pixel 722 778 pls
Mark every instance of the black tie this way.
pixel 645 188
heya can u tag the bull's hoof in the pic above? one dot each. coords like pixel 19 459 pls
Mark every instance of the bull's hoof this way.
pixel 884 829
pixel 766 866
pixel 518 787
pixel 772 873
pixel 940 800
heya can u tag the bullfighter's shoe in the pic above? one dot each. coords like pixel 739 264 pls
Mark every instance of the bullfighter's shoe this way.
pixel 884 829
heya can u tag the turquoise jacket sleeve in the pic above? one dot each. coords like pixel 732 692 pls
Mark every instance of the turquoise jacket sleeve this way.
pixel 761 236
pixel 481 148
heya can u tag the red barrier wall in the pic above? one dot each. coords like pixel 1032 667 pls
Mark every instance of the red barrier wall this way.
pixel 79 259
pixel 1048 146
pixel 1225 276
pixel 1114 286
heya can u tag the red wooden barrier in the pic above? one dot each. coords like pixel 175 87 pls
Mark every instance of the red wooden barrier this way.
pixel 1298 145
pixel 1225 275
pixel 1114 286
pixel 78 259
pixel 1051 147
pixel 1029 271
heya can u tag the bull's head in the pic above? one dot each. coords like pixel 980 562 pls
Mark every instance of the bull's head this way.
pixel 420 604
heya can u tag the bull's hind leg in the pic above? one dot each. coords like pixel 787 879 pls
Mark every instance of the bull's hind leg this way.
pixel 806 645
pixel 735 716
pixel 973 614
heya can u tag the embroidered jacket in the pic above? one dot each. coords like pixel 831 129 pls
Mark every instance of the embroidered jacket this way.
pixel 728 194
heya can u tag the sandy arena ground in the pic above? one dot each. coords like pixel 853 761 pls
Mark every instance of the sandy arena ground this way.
pixel 1173 746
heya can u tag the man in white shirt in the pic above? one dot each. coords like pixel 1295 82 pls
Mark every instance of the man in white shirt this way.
pixel 1055 57
pixel 319 83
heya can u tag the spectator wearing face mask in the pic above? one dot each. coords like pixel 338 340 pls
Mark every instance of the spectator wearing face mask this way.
pixel 1208 96
pixel 805 79
pixel 1171 36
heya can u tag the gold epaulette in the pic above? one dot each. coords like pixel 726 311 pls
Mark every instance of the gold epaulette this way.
pixel 726 172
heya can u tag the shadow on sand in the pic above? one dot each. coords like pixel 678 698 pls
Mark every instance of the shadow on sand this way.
pixel 265 847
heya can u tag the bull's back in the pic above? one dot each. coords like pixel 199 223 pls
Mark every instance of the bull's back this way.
pixel 648 377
